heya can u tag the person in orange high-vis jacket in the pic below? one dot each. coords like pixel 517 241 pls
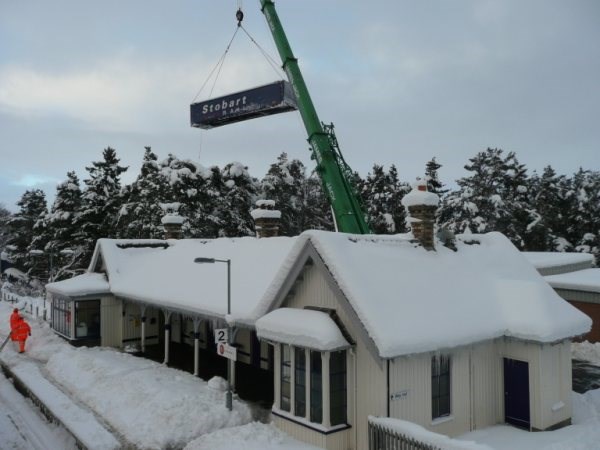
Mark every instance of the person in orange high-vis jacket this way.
pixel 13 318
pixel 20 333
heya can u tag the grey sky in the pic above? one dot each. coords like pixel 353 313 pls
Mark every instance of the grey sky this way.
pixel 403 81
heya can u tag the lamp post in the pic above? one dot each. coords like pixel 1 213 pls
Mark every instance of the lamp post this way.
pixel 228 395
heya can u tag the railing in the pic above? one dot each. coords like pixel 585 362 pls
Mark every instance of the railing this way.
pixel 382 438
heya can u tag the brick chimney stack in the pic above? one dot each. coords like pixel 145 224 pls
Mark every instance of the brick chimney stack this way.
pixel 266 219
pixel 421 206
pixel 173 226
pixel 172 221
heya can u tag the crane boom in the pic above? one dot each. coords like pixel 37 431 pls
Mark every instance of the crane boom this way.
pixel 331 167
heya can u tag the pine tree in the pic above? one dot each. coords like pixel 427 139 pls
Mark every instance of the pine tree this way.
pixel 317 209
pixel 21 228
pixel 381 194
pixel 285 183
pixel 101 203
pixel 548 197
pixel 194 190
pixel 493 198
pixel 584 196
pixel 237 199
pixel 433 182
pixel 61 227
pixel 141 213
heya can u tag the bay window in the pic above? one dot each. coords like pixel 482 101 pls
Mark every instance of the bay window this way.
pixel 312 386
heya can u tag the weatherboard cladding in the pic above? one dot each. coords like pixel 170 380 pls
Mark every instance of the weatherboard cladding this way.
pixel 315 287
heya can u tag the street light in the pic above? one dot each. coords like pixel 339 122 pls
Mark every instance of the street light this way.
pixel 200 260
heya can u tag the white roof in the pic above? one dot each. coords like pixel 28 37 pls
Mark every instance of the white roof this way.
pixel 16 273
pixel 411 300
pixel 168 276
pixel 544 260
pixel 581 280
pixel 302 328
pixel 86 284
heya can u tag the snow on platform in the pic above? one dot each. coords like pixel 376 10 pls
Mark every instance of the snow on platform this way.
pixel 153 405
pixel 582 280
pixel 253 436
pixel 82 424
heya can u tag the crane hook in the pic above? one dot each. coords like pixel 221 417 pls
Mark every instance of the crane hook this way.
pixel 239 15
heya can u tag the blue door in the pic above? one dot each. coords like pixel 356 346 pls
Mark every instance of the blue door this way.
pixel 516 393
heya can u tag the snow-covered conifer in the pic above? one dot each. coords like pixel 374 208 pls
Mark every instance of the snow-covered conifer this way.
pixel 140 214
pixel 101 202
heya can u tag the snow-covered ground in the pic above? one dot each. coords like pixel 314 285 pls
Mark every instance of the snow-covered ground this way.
pixel 152 406
pixel 586 351
pixel 146 403
pixel 22 426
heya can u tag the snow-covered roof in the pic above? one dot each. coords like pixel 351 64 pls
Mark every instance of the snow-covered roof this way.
pixel 408 299
pixel 411 300
pixel 544 260
pixel 81 285
pixel 582 280
pixel 167 275
pixel 301 327
pixel 16 273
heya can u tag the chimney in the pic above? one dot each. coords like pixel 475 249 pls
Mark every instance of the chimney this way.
pixel 421 206
pixel 172 224
pixel 266 219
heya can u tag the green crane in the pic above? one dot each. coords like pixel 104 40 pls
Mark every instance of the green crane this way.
pixel 334 172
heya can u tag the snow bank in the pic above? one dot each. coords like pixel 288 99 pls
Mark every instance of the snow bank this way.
pixel 586 351
pixel 584 434
pixel 253 436
pixel 82 424
pixel 154 406
pixel 419 433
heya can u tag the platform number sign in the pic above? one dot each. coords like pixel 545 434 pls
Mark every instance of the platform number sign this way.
pixel 221 336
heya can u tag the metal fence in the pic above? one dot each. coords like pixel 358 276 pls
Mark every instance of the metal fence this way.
pixel 382 438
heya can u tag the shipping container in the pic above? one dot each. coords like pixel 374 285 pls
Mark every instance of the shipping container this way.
pixel 265 100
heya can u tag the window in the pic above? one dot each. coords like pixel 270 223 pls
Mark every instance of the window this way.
pixel 61 316
pixel 286 376
pixel 299 382
pixel 87 319
pixel 337 387
pixel 316 388
pixel 308 401
pixel 440 386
